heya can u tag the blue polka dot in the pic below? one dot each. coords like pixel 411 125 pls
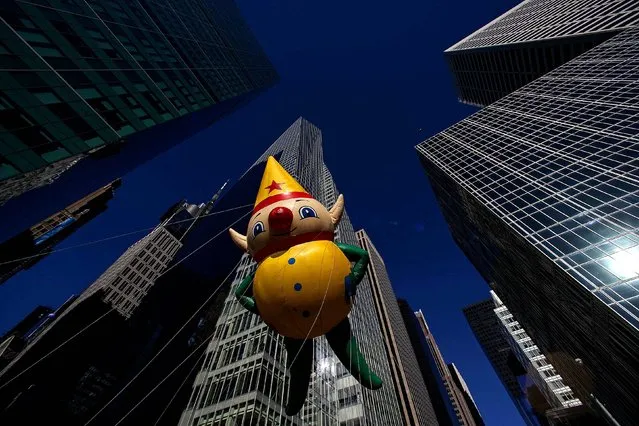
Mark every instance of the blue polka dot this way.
pixel 297 287
pixel 291 261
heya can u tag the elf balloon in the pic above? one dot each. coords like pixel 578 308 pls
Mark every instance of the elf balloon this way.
pixel 304 285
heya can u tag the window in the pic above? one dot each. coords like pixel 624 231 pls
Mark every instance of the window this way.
pixel 47 97
pixel 34 37
pixel 48 51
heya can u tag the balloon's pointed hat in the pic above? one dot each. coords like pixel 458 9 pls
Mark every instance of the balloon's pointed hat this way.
pixel 277 185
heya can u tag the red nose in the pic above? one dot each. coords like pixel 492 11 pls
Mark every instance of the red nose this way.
pixel 280 219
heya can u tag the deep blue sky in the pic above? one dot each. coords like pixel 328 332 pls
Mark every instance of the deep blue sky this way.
pixel 369 74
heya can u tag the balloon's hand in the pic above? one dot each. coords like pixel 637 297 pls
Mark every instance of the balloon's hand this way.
pixel 241 294
pixel 350 286
pixel 248 303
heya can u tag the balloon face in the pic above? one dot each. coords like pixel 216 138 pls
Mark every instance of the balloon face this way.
pixel 283 224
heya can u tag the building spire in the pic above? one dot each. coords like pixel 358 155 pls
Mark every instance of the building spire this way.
pixel 214 199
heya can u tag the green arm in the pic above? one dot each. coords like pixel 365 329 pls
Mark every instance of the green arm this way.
pixel 245 288
pixel 360 257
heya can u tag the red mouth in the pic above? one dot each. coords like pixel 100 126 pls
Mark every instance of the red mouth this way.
pixel 283 244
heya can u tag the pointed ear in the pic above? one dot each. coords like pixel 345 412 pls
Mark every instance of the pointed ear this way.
pixel 239 239
pixel 337 210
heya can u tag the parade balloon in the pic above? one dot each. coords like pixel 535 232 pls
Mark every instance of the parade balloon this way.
pixel 304 283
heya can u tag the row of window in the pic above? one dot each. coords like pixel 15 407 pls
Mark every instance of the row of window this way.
pixel 259 379
pixel 543 20
pixel 248 413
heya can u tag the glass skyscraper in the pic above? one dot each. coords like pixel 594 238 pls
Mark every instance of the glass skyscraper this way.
pixel 414 399
pixel 541 191
pixel 84 80
pixel 530 40
pixel 243 377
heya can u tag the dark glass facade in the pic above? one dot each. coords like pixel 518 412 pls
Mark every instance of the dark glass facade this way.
pixel 14 340
pixel 540 190
pixel 530 40
pixel 52 389
pixel 483 76
pixel 79 76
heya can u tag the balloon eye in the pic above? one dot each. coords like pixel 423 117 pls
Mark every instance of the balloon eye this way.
pixel 306 212
pixel 258 228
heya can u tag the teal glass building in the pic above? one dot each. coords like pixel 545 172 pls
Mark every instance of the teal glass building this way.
pixel 541 192
pixel 80 80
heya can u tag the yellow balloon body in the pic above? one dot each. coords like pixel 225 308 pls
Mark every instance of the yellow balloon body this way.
pixel 291 287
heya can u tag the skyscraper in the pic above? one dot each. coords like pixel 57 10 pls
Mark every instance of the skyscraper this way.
pixel 437 390
pixel 463 414
pixel 485 325
pixel 540 190
pixel 410 387
pixel 16 338
pixel 127 281
pixel 83 81
pixel 31 245
pixel 243 376
pixel 530 40
pixel 462 388
pixel 538 391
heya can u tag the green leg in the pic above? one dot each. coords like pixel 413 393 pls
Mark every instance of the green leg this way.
pixel 300 372
pixel 345 347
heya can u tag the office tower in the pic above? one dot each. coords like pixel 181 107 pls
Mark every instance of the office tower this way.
pixel 243 377
pixel 462 388
pixel 488 332
pixel 127 281
pixel 92 89
pixel 13 341
pixel 410 387
pixel 39 375
pixel 33 244
pixel 531 40
pixel 542 373
pixel 428 366
pixel 450 408
pixel 463 412
pixel 540 192
pixel 538 391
